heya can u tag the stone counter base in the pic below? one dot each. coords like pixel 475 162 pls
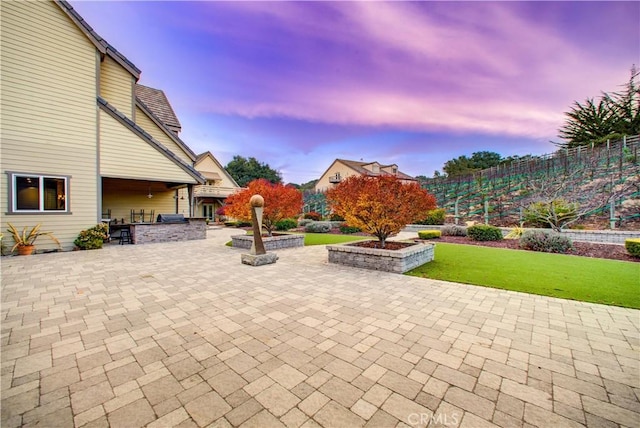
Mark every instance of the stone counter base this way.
pixel 270 243
pixel 193 228
pixel 398 261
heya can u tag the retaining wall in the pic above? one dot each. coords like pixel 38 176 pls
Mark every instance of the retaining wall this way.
pixel 270 243
pixel 599 236
pixel 398 261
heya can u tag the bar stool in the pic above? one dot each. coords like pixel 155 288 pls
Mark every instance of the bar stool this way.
pixel 125 236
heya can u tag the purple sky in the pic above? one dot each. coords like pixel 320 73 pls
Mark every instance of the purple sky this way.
pixel 298 84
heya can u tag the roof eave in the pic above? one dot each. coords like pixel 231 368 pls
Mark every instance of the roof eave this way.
pixel 133 127
pixel 166 130
pixel 101 44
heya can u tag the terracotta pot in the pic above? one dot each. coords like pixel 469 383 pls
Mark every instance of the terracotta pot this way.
pixel 26 250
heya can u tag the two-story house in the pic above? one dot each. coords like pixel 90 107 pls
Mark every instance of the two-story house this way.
pixel 208 197
pixel 343 168
pixel 79 138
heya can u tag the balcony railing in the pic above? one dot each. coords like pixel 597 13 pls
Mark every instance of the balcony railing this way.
pixel 208 191
pixel 335 179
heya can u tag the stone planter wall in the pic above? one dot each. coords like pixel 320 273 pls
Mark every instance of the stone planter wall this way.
pixel 398 261
pixel 270 243
pixel 599 236
pixel 147 233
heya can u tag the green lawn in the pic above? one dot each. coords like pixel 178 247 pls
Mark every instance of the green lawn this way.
pixel 609 282
pixel 328 238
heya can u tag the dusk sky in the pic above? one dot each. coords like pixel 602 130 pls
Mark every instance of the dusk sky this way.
pixel 298 84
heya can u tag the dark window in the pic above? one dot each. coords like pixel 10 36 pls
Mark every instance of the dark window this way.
pixel 39 193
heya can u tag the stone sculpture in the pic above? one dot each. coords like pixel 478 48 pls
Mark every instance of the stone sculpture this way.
pixel 257 255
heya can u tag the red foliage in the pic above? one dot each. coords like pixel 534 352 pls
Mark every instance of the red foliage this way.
pixel 312 215
pixel 380 206
pixel 280 202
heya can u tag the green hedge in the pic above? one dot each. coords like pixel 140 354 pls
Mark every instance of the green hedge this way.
pixel 484 232
pixel 633 246
pixel 429 234
pixel 286 224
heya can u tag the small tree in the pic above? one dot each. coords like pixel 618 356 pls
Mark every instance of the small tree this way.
pixel 380 206
pixel 280 202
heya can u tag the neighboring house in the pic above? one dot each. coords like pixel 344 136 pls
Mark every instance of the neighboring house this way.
pixel 79 138
pixel 342 168
pixel 211 195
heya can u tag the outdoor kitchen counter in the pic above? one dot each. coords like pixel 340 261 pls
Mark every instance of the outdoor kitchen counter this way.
pixel 186 230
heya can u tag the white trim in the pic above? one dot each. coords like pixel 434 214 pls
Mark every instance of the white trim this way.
pixel 13 200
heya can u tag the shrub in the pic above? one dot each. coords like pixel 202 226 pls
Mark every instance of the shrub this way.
pixel 453 230
pixel 312 215
pixel 345 228
pixel 237 223
pixel 336 217
pixel 540 240
pixel 319 227
pixel 555 214
pixel 484 232
pixel 92 238
pixel 633 246
pixel 515 233
pixel 434 217
pixel 429 234
pixel 286 224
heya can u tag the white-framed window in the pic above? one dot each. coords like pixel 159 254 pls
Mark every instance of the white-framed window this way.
pixel 38 193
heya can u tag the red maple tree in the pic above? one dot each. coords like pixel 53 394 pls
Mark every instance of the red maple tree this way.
pixel 380 206
pixel 280 202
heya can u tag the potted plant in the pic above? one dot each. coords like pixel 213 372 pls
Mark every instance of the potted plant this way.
pixel 24 241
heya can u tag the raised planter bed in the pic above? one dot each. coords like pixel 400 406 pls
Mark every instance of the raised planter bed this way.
pixel 271 243
pixel 401 260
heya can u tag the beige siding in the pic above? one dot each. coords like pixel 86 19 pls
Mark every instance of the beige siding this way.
pixel 207 164
pixel 116 86
pixel 48 120
pixel 183 202
pixel 125 155
pixel 156 132
pixel 122 196
pixel 323 184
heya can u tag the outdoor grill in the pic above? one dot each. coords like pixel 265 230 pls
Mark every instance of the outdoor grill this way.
pixel 171 218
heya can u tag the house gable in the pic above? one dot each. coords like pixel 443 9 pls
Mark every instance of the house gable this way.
pixel 211 169
pixel 127 151
pixel 116 86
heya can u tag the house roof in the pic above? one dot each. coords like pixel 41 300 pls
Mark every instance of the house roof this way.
pixel 101 44
pixel 213 158
pixel 164 127
pixel 133 127
pixel 359 167
pixel 157 102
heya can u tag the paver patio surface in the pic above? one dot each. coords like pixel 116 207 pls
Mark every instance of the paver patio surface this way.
pixel 183 334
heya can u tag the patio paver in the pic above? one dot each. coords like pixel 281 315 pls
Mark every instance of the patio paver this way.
pixel 184 334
